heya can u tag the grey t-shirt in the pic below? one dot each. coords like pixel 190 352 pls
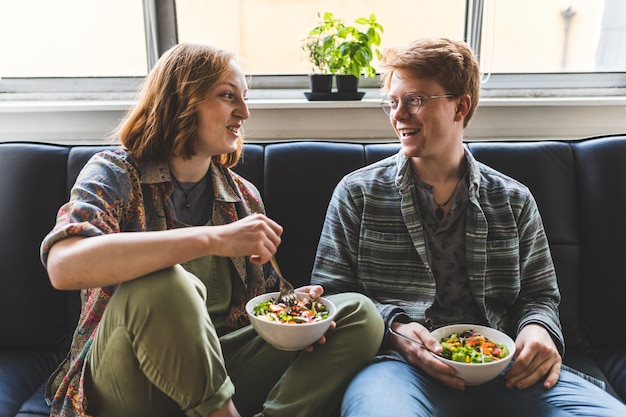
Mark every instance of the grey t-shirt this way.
pixel 194 205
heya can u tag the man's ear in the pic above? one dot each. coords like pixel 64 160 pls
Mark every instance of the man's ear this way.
pixel 463 107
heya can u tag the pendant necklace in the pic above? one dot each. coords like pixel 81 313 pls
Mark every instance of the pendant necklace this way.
pixel 439 209
pixel 186 203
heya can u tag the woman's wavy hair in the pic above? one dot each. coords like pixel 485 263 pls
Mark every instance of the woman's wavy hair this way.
pixel 164 120
pixel 451 63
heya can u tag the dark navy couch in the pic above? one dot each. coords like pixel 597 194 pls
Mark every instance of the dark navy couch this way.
pixel 580 187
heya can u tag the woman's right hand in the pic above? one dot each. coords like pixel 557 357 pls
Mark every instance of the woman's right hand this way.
pixel 421 357
pixel 256 236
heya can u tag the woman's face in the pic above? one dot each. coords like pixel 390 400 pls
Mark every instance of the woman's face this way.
pixel 222 114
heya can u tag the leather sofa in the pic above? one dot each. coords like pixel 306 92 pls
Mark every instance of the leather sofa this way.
pixel 580 187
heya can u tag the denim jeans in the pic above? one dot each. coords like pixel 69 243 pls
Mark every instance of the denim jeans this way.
pixel 394 388
pixel 157 353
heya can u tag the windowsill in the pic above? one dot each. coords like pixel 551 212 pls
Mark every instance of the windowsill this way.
pixel 286 115
pixel 280 99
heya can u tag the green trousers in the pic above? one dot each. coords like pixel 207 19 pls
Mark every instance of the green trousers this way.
pixel 156 353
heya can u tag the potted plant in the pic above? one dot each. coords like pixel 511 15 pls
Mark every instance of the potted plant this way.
pixel 354 52
pixel 319 47
pixel 343 51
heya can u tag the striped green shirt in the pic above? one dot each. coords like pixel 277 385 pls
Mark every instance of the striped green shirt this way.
pixel 373 242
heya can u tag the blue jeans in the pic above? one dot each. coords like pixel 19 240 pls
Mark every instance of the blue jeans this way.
pixel 393 388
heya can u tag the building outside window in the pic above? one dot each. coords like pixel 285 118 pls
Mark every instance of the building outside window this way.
pixel 107 38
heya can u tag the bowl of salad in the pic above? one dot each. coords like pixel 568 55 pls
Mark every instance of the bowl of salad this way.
pixel 478 353
pixel 290 326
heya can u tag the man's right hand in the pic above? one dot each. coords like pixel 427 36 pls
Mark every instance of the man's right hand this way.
pixel 423 357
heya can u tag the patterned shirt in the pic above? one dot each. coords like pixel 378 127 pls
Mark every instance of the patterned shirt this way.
pixel 116 193
pixel 373 242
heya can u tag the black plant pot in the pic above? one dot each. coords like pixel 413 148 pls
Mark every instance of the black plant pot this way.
pixel 321 83
pixel 347 83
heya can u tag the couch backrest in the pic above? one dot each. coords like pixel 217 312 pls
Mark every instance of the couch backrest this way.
pixel 578 186
pixel 33 186
pixel 601 178
pixel 548 169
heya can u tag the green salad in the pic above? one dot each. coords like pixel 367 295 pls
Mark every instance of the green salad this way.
pixel 471 347
pixel 301 311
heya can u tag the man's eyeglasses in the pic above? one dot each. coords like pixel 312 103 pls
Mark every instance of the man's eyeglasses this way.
pixel 411 103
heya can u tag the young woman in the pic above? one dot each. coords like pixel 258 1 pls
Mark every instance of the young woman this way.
pixel 167 244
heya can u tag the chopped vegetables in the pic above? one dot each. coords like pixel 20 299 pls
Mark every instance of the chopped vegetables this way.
pixel 471 347
pixel 301 311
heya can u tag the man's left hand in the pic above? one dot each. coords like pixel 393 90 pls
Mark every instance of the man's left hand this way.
pixel 536 357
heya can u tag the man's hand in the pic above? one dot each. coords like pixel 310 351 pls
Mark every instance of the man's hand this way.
pixel 423 358
pixel 536 357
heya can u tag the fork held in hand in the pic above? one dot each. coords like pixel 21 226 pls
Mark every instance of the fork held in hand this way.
pixel 287 293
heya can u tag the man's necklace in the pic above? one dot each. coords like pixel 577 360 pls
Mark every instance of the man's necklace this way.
pixel 439 209
pixel 186 203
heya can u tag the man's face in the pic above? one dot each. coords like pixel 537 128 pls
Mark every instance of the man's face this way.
pixel 430 128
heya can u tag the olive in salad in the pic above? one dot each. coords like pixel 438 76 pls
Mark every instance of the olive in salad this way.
pixel 298 312
pixel 471 347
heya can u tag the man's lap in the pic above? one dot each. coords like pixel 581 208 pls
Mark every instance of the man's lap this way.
pixel 392 387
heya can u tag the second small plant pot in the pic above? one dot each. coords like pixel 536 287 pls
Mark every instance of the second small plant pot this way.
pixel 321 83
pixel 347 83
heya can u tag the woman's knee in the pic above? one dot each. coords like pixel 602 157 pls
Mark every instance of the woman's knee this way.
pixel 358 314
pixel 170 298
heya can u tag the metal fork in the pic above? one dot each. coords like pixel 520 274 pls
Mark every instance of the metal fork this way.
pixel 420 344
pixel 287 293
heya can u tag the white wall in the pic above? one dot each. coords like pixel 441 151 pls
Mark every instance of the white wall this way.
pixel 91 121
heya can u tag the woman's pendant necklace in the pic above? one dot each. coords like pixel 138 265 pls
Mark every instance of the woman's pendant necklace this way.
pixel 186 203
pixel 439 210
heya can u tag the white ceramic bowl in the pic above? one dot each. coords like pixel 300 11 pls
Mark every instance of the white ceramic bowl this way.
pixel 477 373
pixel 289 336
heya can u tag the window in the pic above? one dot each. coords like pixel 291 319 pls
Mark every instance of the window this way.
pixel 553 36
pixel 268 33
pixel 106 42
pixel 72 38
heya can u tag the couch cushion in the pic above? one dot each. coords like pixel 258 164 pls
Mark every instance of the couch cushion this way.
pixel 32 177
pixel 547 168
pixel 613 364
pixel 35 405
pixel 251 165
pixel 21 374
pixel 602 180
pixel 297 200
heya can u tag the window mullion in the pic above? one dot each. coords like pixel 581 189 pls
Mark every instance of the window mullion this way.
pixel 474 24
pixel 160 28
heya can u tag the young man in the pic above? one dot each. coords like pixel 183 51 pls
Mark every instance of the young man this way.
pixel 434 237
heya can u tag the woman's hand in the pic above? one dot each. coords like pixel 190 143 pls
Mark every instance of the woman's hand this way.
pixel 536 357
pixel 421 357
pixel 256 236
pixel 315 291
